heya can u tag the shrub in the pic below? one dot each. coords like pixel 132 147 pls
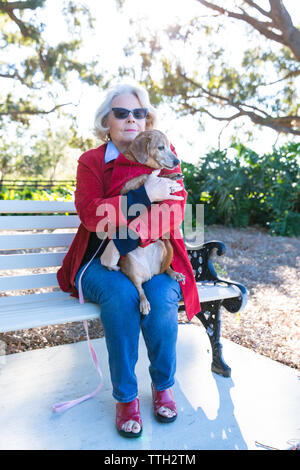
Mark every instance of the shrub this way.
pixel 240 187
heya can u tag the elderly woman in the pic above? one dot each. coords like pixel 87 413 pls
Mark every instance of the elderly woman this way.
pixel 125 113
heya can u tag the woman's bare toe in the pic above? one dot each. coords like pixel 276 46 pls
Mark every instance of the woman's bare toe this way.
pixel 166 412
pixel 131 426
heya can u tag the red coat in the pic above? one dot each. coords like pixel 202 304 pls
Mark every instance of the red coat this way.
pixel 98 184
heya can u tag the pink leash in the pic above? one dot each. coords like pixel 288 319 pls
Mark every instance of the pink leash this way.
pixel 60 407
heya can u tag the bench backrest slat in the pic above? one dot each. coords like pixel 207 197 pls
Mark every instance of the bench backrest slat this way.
pixel 31 281
pixel 36 240
pixel 22 222
pixel 31 260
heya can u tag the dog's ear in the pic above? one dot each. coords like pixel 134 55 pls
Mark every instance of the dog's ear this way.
pixel 140 148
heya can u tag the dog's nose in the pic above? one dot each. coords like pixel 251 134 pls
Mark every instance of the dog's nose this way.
pixel 176 161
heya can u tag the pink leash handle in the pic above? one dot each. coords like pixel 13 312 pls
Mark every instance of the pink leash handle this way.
pixel 60 407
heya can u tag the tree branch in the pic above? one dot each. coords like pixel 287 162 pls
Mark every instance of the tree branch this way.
pixel 25 31
pixel 261 26
pixel 14 75
pixel 16 112
pixel 235 104
pixel 219 118
pixel 258 8
pixel 284 124
pixel 194 110
pixel 9 7
pixel 281 20
pixel 292 73
pixel 21 5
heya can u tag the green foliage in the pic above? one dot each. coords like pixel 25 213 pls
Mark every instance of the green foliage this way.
pixel 237 186
pixel 10 160
pixel 246 188
pixel 62 193
pixel 45 155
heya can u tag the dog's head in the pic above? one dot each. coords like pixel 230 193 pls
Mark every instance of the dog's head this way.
pixel 152 148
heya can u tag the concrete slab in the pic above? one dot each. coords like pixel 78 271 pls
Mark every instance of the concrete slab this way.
pixel 260 402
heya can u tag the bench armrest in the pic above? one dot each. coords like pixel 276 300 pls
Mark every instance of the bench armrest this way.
pixel 201 257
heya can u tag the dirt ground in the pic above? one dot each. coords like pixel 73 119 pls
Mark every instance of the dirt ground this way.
pixel 270 268
pixel 270 324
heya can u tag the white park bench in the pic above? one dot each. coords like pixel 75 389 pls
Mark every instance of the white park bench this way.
pixel 33 236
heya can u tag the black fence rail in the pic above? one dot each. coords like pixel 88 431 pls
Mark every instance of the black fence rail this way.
pixel 36 184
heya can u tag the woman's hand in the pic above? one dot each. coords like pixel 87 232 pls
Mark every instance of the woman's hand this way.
pixel 110 257
pixel 159 189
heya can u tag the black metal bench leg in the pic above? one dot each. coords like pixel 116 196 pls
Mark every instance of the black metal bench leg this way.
pixel 212 325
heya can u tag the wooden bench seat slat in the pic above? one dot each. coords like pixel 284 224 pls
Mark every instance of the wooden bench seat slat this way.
pixel 32 281
pixel 27 222
pixel 13 301
pixel 31 260
pixel 46 311
pixel 37 240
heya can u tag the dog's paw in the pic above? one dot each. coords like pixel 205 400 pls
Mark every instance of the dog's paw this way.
pixel 144 307
pixel 178 276
pixel 176 176
pixel 113 268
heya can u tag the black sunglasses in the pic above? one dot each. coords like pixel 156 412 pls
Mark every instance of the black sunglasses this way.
pixel 123 113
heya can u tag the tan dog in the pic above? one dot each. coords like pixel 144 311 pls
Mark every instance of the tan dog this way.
pixel 151 148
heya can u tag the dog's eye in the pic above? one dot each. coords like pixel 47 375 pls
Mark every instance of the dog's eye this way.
pixel 161 147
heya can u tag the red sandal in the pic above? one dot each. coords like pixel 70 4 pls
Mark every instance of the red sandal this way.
pixel 126 412
pixel 163 398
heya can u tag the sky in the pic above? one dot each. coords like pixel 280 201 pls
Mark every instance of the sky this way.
pixel 112 30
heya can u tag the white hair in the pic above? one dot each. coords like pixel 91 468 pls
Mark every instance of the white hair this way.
pixel 100 129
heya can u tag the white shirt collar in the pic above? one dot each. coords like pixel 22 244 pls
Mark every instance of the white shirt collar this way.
pixel 111 152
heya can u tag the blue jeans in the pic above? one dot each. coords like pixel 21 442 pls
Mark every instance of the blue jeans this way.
pixel 121 320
